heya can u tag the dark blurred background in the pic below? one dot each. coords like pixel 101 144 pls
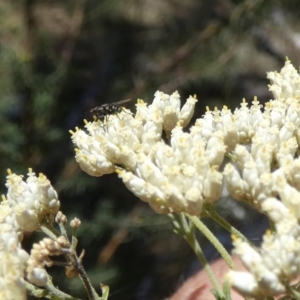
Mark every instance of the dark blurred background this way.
pixel 59 59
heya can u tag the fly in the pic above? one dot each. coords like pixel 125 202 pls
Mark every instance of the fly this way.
pixel 108 109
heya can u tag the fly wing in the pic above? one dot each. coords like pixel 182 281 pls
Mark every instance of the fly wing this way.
pixel 121 102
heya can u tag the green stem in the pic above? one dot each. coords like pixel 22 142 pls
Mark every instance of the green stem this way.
pixel 56 293
pixel 292 292
pixel 211 212
pixel 49 230
pixel 74 243
pixel 62 229
pixel 231 156
pixel 186 230
pixel 272 226
pixel 105 291
pixel 216 243
pixel 35 291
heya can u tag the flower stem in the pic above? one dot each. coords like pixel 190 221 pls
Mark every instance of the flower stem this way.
pixel 86 282
pixel 186 230
pixel 292 292
pixel 56 292
pixel 209 235
pixel 49 230
pixel 211 212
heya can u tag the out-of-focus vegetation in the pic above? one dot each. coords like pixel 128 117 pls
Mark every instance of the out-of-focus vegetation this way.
pixel 59 59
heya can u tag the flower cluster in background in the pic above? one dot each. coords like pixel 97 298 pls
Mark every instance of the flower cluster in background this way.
pixel 26 206
pixel 32 200
pixel 178 171
pixel 12 258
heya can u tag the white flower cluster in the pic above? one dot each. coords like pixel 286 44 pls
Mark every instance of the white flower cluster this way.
pixel 12 258
pixel 172 177
pixel 266 171
pixel 32 200
pixel 24 208
pixel 179 171
pixel 184 173
pixel 272 268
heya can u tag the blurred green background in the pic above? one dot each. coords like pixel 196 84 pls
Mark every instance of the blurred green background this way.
pixel 59 59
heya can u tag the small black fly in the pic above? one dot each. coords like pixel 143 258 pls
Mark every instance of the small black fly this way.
pixel 108 109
